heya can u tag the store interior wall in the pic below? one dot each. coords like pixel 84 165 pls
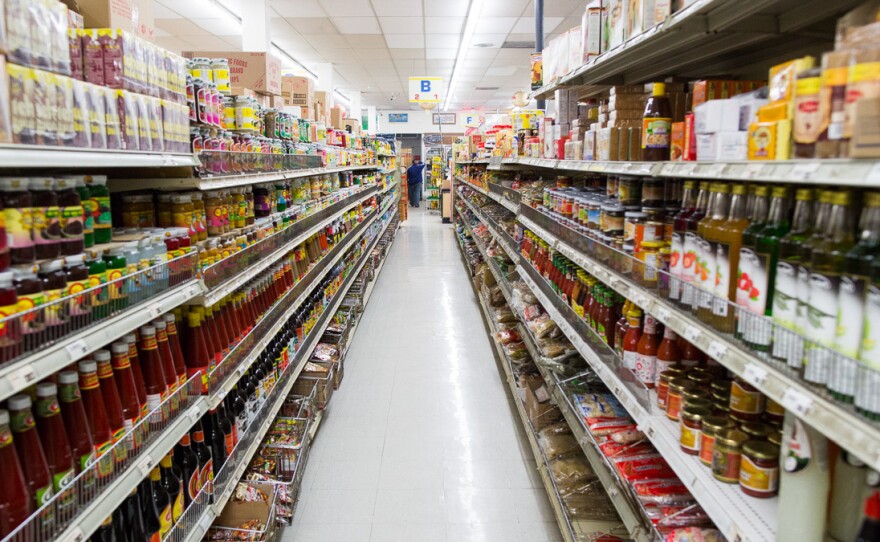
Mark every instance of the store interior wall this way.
pixel 419 122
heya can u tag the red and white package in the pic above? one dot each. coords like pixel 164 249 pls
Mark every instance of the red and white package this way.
pixel 669 491
pixel 644 467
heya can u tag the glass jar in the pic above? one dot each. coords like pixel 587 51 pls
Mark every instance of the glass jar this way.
pixel 182 214
pixel 700 377
pixel 774 412
pixel 671 372
pixel 629 191
pixel 199 216
pixel 634 227
pixel 691 428
pixel 653 192
pixel 746 401
pixel 756 430
pixel 200 68
pixel 727 455
pixel 612 219
pixel 675 398
pixel 163 213
pixel 220 74
pixel 759 469
pixel 649 261
pixel 626 261
pixel 712 426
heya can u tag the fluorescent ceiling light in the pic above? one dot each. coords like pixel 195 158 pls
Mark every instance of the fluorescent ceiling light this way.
pixel 228 15
pixel 467 37
pixel 342 97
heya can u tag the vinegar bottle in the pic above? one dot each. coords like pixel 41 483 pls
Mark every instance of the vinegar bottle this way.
pixel 14 498
pixel 727 247
pixel 679 228
pixel 709 231
pixel 689 226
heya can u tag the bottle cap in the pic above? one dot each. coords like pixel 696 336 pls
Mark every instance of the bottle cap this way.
pixel 46 389
pixel 87 366
pixel 68 377
pixel 103 355
pixel 19 402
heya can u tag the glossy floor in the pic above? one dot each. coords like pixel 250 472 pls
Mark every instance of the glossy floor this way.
pixel 421 442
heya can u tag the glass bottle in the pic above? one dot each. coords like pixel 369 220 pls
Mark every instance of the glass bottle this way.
pixel 692 245
pixel 30 451
pixel 53 437
pixel 162 502
pixel 679 228
pixel 71 216
pixel 112 402
pixel 646 353
pixel 152 525
pixel 100 206
pixel 154 374
pixel 215 439
pixel 171 484
pixel 10 331
pixel 29 290
pixel 668 353
pixel 631 339
pixel 757 213
pixel 128 393
pixel 14 499
pixel 727 247
pixel 93 401
pixel 46 219
pixel 74 415
pixel 186 460
pixel 197 359
pixel 89 212
pixel 710 234
pixel 137 371
pixel 134 521
pixel 18 219
pixel 203 453
pixel 657 125
pixel 827 263
pixel 169 368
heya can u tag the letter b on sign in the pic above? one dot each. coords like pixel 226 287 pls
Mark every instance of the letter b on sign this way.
pixel 426 86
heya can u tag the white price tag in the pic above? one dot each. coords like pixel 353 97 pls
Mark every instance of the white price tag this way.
pixel 717 350
pixel 22 377
pixel 688 169
pixel 663 314
pixel 640 299
pixel 716 170
pixel 692 334
pixel 797 402
pixel 193 414
pixel 735 534
pixel 752 171
pixel 804 172
pixel 77 349
pixel 156 310
pixel 755 375
pixel 74 534
pixel 873 175
pixel 145 465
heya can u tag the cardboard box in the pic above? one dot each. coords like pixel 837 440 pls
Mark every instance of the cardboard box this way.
pixel 75 20
pixel 607 141
pixel 592 30
pixel 626 114
pixel 865 141
pixel 260 72
pixel 717 116
pixel 132 15
pixel 655 12
pixel 635 144
pixel 575 48
pixel 676 142
pixel 235 513
pixel 322 104
pixel 352 126
pixel 715 89
pixel 690 139
pixel 537 66
pixel 540 410
pixel 297 90
pixel 336 116
pixel 618 19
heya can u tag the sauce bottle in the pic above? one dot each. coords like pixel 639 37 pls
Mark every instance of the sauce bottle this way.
pixel 14 499
pixel 804 473
pixel 112 403
pixel 46 218
pixel 128 392
pixel 54 279
pixel 131 516
pixel 690 258
pixel 851 298
pixel 176 350
pixel 73 413
pixel 709 231
pixel 172 486
pixel 10 331
pixel 152 525
pixel 18 219
pixel 220 348
pixel 727 247
pixel 155 381
pixel 137 371
pixel 117 266
pixel 679 228
pixel 89 212
pixel 169 368
pixel 71 216
pixel 668 353
pixel 631 339
pixel 757 213
pixel 827 263
pixel 29 290
pixel 77 276
pixel 162 502
pixel 215 439
pixel 99 197
pixel 759 260
pixel 96 414
pixel 53 437
pixel 30 452
pixel 657 125
pixel 203 453
pixel 197 359
pixel 186 460
pixel 226 427
pixel 100 292
pixel 646 353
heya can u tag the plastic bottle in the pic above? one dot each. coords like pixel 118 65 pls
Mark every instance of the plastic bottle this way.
pixel 117 267
pixel 657 125
pixel 18 219
pixel 100 207
pixel 71 214
pixel 870 531
pixel 804 482
pixel 112 403
pixel 30 451
pixel 53 437
pixel 96 414
pixel 46 218
pixel 14 499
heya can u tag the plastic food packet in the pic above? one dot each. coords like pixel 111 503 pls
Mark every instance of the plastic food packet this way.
pixel 93 56
pixel 508 336
pixel 44 102
pixel 128 120
pixel 542 326
pixel 557 445
pixel 693 534
pixel 504 315
pixel 248 493
pixel 60 47
pixel 111 50
pixel 670 491
pixel 590 506
pixel 560 428
pixel 65 111
pixel 74 46
pixel 570 469
pixel 553 348
pixel 645 467
pixel 22 104
pixel 530 312
pixel 676 516
pixel 5 120
pixel 157 134
pixel 600 427
pixel 145 139
pixel 18 31
pixel 516 351
pixel 96 104
pixel 598 405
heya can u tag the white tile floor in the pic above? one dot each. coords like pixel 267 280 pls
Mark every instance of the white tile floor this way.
pixel 421 442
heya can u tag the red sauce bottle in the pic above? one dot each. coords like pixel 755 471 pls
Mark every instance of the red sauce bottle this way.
pixel 646 352
pixel 128 393
pixel 137 371
pixel 198 358
pixel 176 350
pixel 74 414
pixel 14 499
pixel 631 339
pixel 112 402
pixel 30 450
pixel 211 335
pixel 667 354
pixel 96 413
pixel 154 373
pixel 168 366
pixel 10 331
pixel 53 436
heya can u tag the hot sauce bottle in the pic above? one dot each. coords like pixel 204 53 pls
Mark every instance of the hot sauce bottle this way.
pixel 112 402
pixel 631 339
pixel 53 437
pixel 646 352
pixel 30 451
pixel 154 374
pixel 74 415
pixel 96 413
pixel 176 351
pixel 168 366
pixel 128 395
pixel 14 499
pixel 197 356
pixel 668 353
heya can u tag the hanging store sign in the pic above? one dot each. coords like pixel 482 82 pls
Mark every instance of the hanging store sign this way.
pixel 426 90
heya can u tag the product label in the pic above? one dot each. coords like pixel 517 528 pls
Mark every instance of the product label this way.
pixel 871 337
pixel 656 132
pixel 821 325
pixel 90 211
pixel 851 314
pixel 690 438
pixel 206 476
pixel 798 445
pixel 707 444
pixel 765 480
pixel 115 284
pixel 705 273
pixel 645 367
pixel 676 265
pixel 46 224
pixel 78 304
pixel 27 302
pixel 722 279
pixel 19 225
pixel 629 360
pixel 803 298
pixel 101 207
pixel 165 521
pixel 105 460
pixel 229 441
pixel 5 312
pixel 62 479
pixel 744 401
pixel 652 262
pixel 72 222
pixel 54 312
pixel 177 508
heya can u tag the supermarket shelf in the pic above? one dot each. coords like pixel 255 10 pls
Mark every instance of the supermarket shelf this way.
pixel 839 423
pixel 34 156
pixel 196 528
pixel 507 197
pixel 111 495
pixel 848 172
pixel 504 240
pixel 310 225
pixel 301 288
pixel 709 36
pixel 385 155
pixel 23 373
pixel 733 512
pixel 224 181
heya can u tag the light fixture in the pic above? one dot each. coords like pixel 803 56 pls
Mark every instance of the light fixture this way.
pixel 469 28
pixel 521 99
pixel 228 14
pixel 342 97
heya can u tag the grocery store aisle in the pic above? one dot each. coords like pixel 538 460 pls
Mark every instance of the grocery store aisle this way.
pixel 421 442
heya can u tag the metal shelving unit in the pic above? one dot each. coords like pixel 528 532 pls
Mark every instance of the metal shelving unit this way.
pixel 35 156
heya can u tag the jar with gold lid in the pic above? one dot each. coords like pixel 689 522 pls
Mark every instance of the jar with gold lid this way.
pixel 691 428
pixel 759 470
pixel 712 425
pixel 727 455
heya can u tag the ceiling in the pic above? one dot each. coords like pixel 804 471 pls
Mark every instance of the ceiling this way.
pixel 376 45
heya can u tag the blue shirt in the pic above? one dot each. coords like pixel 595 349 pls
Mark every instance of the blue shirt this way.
pixel 414 173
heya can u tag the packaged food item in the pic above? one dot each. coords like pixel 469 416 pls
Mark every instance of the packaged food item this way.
pixel 18 31
pixel 65 111
pixel 645 467
pixel 23 112
pixel 96 106
pixel 669 491
pixel 112 118
pixel 555 445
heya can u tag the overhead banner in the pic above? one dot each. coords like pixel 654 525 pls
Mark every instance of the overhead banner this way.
pixel 426 90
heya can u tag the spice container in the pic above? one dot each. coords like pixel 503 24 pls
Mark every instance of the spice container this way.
pixel 674 397
pixel 745 401
pixel 759 469
pixel 691 428
pixel 663 384
pixel 712 426
pixel 727 455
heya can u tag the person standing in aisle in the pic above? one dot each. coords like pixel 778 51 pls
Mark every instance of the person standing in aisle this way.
pixel 414 181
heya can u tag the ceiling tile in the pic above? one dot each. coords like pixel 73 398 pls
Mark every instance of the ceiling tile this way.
pixel 442 41
pixel 181 27
pixel 408 53
pixel 440 63
pixel 446 8
pixel 336 55
pixel 495 40
pixel 527 25
pixel 444 25
pixel 348 8
pixel 184 9
pixel 398 8
pixel 312 25
pixel 481 63
pixel 219 26
pixel 495 25
pixel 441 53
pixel 401 25
pixel 357 25
pixel 496 8
pixel 482 53
pixel 161 11
pixel 367 41
pixel 405 41
pixel 298 8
